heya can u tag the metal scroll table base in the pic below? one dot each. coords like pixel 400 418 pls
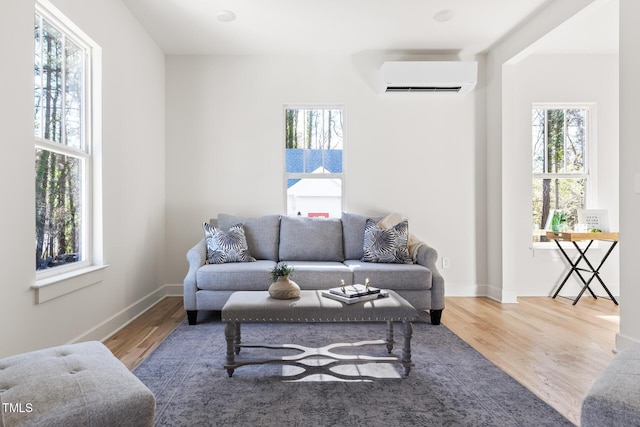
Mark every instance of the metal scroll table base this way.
pixel 311 306
pixel 233 338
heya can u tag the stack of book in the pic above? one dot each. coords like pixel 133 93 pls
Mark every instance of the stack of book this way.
pixel 350 294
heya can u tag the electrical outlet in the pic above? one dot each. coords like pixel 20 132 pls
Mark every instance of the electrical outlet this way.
pixel 446 262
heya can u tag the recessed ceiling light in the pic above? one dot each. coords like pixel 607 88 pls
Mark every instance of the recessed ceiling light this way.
pixel 226 16
pixel 444 15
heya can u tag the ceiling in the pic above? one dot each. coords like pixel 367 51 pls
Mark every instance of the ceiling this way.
pixel 341 26
pixel 594 31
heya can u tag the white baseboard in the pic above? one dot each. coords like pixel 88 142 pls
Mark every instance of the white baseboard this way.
pixel 488 291
pixel 125 316
pixel 624 341
pixel 452 290
pixel 174 290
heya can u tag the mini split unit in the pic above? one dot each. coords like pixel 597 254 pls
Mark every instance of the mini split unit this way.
pixel 429 76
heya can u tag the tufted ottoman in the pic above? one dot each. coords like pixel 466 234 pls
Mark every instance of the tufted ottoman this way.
pixel 614 398
pixel 72 385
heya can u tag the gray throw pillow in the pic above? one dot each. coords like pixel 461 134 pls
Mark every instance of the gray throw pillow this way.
pixel 263 233
pixel 226 246
pixel 310 239
pixel 386 246
pixel 353 233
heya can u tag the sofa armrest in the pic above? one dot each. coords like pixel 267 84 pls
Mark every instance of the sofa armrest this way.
pixel 428 257
pixel 196 257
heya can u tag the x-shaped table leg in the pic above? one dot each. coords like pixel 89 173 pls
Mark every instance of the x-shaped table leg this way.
pixel 595 272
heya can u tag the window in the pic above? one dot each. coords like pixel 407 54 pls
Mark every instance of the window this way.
pixel 63 145
pixel 560 143
pixel 314 143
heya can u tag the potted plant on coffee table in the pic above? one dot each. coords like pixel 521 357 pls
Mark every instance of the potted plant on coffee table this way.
pixel 283 287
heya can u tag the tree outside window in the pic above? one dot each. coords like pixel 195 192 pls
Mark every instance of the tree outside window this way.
pixel 62 155
pixel 314 142
pixel 559 163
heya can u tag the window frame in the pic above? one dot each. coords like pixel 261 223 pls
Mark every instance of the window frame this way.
pixel 590 163
pixel 310 175
pixel 90 227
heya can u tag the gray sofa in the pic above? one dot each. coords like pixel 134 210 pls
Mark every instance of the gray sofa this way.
pixel 322 251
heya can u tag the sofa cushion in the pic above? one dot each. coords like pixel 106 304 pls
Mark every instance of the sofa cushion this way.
pixel 226 246
pixel 250 276
pixel 391 276
pixel 263 233
pixel 389 245
pixel 310 239
pixel 320 274
pixel 353 234
pixel 614 398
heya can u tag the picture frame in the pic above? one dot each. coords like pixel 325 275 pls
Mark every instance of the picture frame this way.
pixel 597 219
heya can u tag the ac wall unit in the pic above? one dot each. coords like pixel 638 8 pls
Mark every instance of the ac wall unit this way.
pixel 429 76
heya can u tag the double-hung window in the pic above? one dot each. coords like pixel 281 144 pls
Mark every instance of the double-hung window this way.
pixel 314 175
pixel 63 145
pixel 560 162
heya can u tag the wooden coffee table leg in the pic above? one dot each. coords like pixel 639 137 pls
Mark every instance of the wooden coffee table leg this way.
pixel 238 338
pixel 389 336
pixel 406 349
pixel 230 335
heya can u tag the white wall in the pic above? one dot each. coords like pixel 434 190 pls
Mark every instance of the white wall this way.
pixel 501 90
pixel 133 180
pixel 629 172
pixel 411 153
pixel 560 79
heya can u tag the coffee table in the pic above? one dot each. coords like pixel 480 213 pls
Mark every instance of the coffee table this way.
pixel 311 306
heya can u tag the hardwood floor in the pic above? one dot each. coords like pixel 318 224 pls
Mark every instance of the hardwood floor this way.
pixel 139 338
pixel 554 349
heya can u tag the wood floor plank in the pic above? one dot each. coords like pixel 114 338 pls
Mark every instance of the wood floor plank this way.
pixel 552 347
pixel 139 338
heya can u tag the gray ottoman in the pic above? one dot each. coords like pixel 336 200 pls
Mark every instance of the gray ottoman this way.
pixel 72 385
pixel 614 398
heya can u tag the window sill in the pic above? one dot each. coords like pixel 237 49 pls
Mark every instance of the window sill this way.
pixel 56 286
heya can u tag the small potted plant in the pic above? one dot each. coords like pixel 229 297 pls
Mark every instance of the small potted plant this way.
pixel 283 287
pixel 281 270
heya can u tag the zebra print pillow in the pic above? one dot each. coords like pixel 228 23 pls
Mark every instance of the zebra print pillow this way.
pixel 226 246
pixel 386 245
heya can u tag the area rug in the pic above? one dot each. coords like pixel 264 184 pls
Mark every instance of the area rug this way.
pixel 451 384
